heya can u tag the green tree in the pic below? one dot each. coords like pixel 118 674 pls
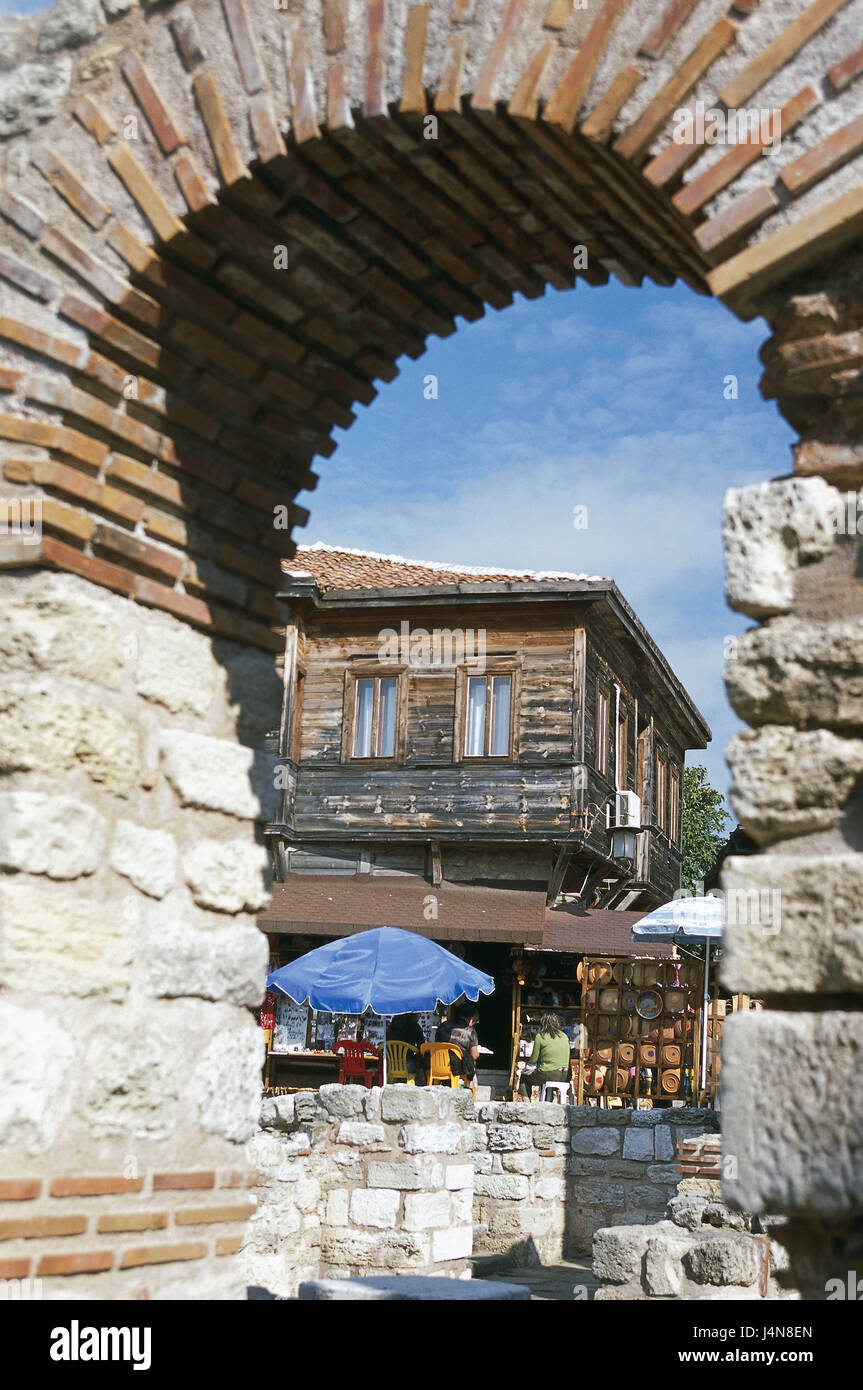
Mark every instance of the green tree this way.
pixel 704 818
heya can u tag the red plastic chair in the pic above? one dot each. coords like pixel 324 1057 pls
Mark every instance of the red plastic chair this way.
pixel 353 1063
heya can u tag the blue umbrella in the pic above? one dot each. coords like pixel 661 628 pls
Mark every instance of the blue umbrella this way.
pixel 386 969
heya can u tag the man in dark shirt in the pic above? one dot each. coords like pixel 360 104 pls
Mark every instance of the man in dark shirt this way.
pixel 461 1030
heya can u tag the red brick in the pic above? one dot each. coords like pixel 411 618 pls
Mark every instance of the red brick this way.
pixel 243 40
pixel 830 154
pixel 65 557
pixel 154 595
pixel 19 1189
pixel 152 103
pixel 9 378
pixel 200 1216
pixel 87 1262
pixel 14 1269
pixel 29 1228
pixel 25 217
pixel 163 1254
pixel 843 73
pixel 666 27
pixel 94 120
pixel 229 1245
pixel 70 187
pixel 25 277
pixel 65 441
pixel 137 552
pixel 132 1221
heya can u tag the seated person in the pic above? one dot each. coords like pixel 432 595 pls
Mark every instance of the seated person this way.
pixel 406 1028
pixel 550 1056
pixel 461 1030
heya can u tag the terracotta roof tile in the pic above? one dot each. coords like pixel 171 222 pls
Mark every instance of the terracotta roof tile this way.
pixel 338 567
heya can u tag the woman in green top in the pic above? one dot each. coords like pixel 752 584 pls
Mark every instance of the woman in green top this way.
pixel 550 1055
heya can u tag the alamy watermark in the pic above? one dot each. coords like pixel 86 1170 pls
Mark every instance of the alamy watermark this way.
pixel 442 646
pixel 708 125
pixel 760 908
pixel 22 517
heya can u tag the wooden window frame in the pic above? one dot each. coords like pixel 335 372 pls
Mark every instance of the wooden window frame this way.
pixel 296 735
pixel 600 745
pixel 463 675
pixel 377 673
pixel 675 826
pixel 660 782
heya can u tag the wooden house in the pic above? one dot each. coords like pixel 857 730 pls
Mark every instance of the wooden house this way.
pixel 460 748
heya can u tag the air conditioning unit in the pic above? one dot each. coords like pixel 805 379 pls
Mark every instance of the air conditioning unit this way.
pixel 624 811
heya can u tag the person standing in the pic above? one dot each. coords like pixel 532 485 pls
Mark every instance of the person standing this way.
pixel 550 1056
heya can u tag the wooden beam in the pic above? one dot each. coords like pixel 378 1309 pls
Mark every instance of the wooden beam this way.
pixel 558 872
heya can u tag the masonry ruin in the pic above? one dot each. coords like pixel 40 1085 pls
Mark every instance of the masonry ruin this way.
pixel 222 224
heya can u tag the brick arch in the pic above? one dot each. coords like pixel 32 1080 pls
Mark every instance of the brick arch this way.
pixel 170 388
pixel 166 388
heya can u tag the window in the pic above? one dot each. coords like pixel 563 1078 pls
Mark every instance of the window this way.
pixel 661 816
pixel 371 709
pixel 487 705
pixel 622 751
pixel 674 812
pixel 602 704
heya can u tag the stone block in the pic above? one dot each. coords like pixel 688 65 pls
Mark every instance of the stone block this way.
pixel 342 1102
pixel 59 944
pixel 598 1194
pixel 789 782
pixel 400 1103
pixel 663 1143
pixel 768 530
pixel 596 1141
pixel 726 1258
pixel 228 875
pixel 40 729
pixel 362 1135
pixel 580 1116
pixel 512 1187
pixel 69 24
pixel 227 1081
pixel 793 1148
pixel 461 1208
pixel 547 1137
pixel 638 1144
pixel 458 1176
pixel 53 835
pixel 148 858
pixel 525 1162
pixel 793 923
pixel 591 1167
pixel 431 1138
pixel 132 1082
pixel 663 1262
pixel 550 1189
pixel 405 1174
pixel 646 1195
pixel 57 623
pixel 618 1116
pixel 662 1173
pixel 506 1138
pixel 227 962
pixel 215 774
pixel 378 1207
pixel 481 1162
pixel 454 1244
pixel 371 1102
pixel 476 1138
pixel 416 1288
pixel 176 666
pixel 798 671
pixel 39 1060
pixel 532 1113
pixel 344 1246
pixel 425 1211
pixel 618 1254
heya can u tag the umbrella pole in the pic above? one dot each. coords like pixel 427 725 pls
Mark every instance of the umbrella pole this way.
pixel 384 1055
pixel 704 1012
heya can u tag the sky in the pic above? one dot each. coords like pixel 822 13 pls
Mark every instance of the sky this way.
pixel 613 399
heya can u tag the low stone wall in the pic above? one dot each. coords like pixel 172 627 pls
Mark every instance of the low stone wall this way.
pixel 548 1176
pixel 354 1181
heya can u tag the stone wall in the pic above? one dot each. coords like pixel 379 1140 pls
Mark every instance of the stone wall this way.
pixel 130 875
pixel 548 1176
pixel 354 1181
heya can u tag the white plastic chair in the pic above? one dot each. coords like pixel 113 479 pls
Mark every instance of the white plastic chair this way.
pixel 562 1089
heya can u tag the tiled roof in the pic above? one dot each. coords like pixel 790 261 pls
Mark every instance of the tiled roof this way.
pixel 331 905
pixel 598 932
pixel 338 567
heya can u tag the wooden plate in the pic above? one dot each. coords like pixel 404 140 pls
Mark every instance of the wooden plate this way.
pixel 628 1000
pixel 605 1026
pixel 647 1054
pixel 670 1082
pixel 675 1001
pixel 671 1055
pixel 617 972
pixel 649 1004
pixel 600 974
pixel 622 1080
pixel 605 1053
pixel 626 1054
pixel 609 999
pixel 625 1026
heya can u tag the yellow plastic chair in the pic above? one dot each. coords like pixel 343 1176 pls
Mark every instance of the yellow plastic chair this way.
pixel 397 1062
pixel 438 1057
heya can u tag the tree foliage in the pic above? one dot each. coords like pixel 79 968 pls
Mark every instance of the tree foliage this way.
pixel 704 820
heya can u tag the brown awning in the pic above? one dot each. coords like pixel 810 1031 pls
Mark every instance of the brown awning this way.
pixel 330 905
pixel 598 933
